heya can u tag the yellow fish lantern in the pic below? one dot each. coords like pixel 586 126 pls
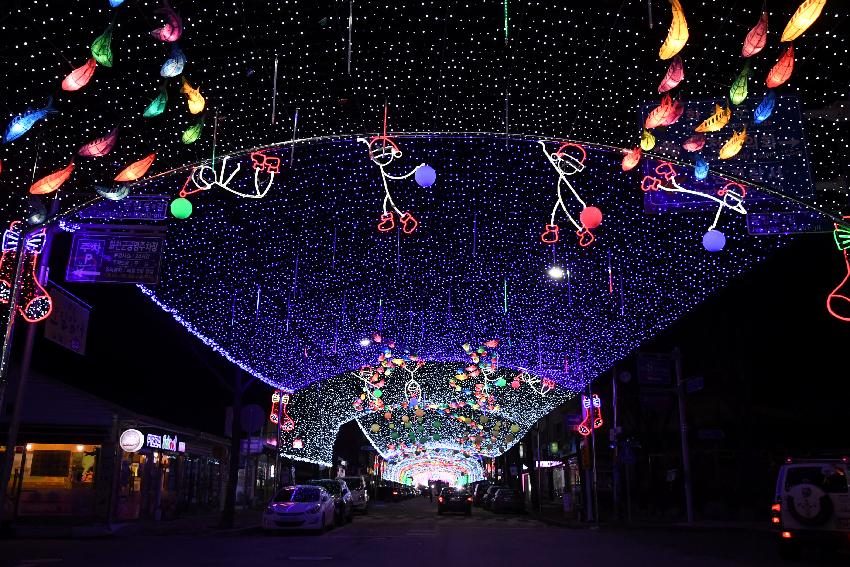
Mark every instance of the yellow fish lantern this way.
pixel 194 98
pixel 677 35
pixel 647 140
pixel 734 144
pixel 716 121
pixel 805 16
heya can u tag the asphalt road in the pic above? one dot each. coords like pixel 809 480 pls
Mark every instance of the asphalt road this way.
pixel 411 534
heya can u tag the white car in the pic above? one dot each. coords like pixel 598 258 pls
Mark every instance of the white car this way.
pixel 812 505
pixel 302 507
pixel 359 493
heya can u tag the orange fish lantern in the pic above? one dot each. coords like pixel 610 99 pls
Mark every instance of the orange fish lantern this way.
pixel 675 74
pixel 734 144
pixel 51 183
pixel 631 159
pixel 664 114
pixel 716 121
pixel 677 35
pixel 695 143
pixel 79 77
pixel 136 170
pixel 756 39
pixel 99 147
pixel 781 72
pixel 194 98
pixel 805 16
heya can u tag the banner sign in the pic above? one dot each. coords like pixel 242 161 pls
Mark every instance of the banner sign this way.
pixel 106 257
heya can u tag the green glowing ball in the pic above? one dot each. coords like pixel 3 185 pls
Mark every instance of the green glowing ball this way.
pixel 181 208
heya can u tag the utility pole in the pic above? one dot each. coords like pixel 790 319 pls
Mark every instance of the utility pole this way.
pixel 683 432
pixel 616 440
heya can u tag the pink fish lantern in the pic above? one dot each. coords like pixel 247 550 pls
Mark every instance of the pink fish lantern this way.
pixel 665 114
pixel 79 77
pixel 631 159
pixel 99 147
pixel 675 74
pixel 757 38
pixel 695 143
pixel 173 28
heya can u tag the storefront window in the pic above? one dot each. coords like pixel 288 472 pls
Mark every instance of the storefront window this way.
pixel 55 480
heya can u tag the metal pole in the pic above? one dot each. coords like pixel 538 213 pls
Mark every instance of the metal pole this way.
pixel 539 495
pixel 278 476
pixel 616 440
pixel 10 323
pixel 8 457
pixel 683 432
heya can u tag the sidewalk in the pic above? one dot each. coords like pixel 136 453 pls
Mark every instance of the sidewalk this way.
pixel 245 521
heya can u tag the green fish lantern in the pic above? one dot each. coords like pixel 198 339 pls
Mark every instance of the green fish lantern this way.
pixel 738 90
pixel 192 133
pixel 157 105
pixel 101 49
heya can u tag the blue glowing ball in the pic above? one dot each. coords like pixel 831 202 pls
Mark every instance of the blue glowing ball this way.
pixel 425 176
pixel 714 240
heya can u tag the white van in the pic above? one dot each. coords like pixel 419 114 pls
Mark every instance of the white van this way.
pixel 812 505
pixel 359 493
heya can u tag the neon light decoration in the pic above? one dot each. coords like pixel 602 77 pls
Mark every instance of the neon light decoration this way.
pixel 838 300
pixel 136 170
pixel 781 72
pixel 35 304
pixel 591 411
pixel 382 154
pixel 52 182
pixel 22 123
pixel 273 415
pixel 286 422
pixel 677 34
pixel 731 197
pixel 173 28
pixel 756 38
pixel 805 16
pixel 79 77
pixel 260 162
pixel 568 160
pixel 716 121
pixel 99 147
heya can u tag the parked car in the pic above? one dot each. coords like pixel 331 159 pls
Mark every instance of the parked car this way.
pixel 390 493
pixel 811 506
pixel 508 500
pixel 359 493
pixel 487 499
pixel 454 500
pixel 478 493
pixel 300 507
pixel 341 495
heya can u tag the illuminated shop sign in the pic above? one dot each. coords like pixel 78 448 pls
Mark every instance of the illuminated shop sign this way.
pixel 165 442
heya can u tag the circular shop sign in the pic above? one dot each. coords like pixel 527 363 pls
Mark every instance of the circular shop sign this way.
pixel 132 440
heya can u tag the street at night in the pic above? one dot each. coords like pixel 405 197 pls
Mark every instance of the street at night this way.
pixel 411 530
pixel 424 282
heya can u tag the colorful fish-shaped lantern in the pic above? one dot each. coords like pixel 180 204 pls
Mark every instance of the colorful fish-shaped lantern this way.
pixel 194 98
pixel 192 133
pixel 51 183
pixel 112 194
pixel 765 107
pixel 101 146
pixel 136 170
pixel 734 144
pixel 157 105
pixel 115 3
pixel 675 74
pixel 716 121
pixel 647 140
pixel 22 123
pixel 631 159
pixel 701 168
pixel 173 66
pixel 79 77
pixel 664 114
pixel 173 28
pixel 677 35
pixel 738 90
pixel 695 143
pixel 757 38
pixel 805 16
pixel 781 72
pixel 101 49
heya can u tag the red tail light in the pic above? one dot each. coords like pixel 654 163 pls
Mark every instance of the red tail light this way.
pixel 786 535
pixel 775 520
pixel 440 499
pixel 776 507
pixel 395 491
pixel 469 498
